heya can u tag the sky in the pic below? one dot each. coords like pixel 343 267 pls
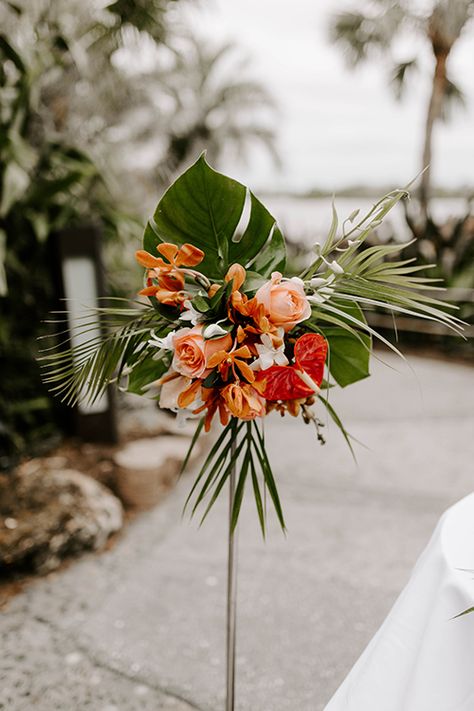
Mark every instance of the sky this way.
pixel 337 127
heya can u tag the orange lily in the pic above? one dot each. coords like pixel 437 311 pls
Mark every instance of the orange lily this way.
pixel 229 361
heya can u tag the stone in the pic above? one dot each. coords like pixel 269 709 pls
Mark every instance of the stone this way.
pixel 147 468
pixel 47 515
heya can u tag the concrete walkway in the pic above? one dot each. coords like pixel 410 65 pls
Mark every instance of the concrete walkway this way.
pixel 142 626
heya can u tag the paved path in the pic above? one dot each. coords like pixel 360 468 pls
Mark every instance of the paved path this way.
pixel 141 627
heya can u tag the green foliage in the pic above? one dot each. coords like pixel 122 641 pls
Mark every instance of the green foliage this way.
pixel 240 445
pixel 45 185
pixel 349 350
pixel 205 208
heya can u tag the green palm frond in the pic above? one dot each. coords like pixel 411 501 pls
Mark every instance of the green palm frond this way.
pixel 106 339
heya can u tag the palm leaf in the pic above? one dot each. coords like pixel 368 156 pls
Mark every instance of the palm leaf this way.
pixel 107 339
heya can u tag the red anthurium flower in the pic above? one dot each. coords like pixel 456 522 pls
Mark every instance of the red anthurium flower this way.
pixel 290 382
pixel 310 355
pixel 282 382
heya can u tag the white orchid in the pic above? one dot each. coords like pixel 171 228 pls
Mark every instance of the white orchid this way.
pixel 165 343
pixel 324 289
pixel 214 331
pixel 268 355
pixel 190 313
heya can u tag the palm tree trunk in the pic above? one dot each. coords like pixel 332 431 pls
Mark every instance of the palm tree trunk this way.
pixel 434 111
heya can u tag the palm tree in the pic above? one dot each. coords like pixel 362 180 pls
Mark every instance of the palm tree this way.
pixel 214 105
pixel 374 31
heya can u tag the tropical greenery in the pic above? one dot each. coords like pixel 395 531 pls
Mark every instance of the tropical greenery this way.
pixel 235 238
pixel 374 29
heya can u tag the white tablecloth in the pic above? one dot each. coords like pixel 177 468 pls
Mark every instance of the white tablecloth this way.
pixel 421 659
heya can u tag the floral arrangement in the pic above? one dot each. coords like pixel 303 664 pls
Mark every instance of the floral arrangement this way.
pixel 224 335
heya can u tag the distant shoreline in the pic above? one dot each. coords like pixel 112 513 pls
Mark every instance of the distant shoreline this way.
pixel 363 192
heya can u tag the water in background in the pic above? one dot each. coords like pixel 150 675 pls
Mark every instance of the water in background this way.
pixel 308 219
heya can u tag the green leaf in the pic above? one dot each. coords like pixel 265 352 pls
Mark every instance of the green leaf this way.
pixel 337 420
pixel 258 497
pixel 204 207
pixel 272 258
pixel 259 447
pixel 348 356
pixel 147 371
pixel 257 232
pixel 239 490
pixel 465 612
pixel 349 349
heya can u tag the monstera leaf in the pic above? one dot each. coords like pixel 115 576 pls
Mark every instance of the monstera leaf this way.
pixel 206 208
pixel 349 350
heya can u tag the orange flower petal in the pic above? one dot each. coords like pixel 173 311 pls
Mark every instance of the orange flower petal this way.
pixel 189 256
pixel 189 395
pixel 213 289
pixel 170 298
pixel 242 352
pixel 168 250
pixel 149 291
pixel 245 370
pixel 216 359
pixel 237 273
pixel 172 281
pixel 148 260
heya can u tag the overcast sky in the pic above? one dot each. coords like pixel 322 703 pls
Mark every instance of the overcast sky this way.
pixel 337 127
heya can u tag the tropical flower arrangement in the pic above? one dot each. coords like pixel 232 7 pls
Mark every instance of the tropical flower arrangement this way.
pixel 225 336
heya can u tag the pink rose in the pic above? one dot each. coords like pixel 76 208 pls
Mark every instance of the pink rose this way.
pixel 284 300
pixel 192 351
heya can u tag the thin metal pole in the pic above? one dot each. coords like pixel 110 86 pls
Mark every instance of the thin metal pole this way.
pixel 231 590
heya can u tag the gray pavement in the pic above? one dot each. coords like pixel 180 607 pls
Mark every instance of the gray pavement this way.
pixel 142 626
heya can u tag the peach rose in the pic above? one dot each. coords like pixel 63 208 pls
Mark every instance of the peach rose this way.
pixel 192 351
pixel 243 401
pixel 284 301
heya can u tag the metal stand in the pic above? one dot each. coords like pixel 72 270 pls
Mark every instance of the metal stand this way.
pixel 231 592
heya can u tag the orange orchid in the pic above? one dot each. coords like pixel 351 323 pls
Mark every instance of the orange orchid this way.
pixel 189 394
pixel 170 276
pixel 186 256
pixel 230 361
pixel 165 296
pixel 212 400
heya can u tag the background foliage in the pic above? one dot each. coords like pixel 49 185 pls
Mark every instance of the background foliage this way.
pixel 100 103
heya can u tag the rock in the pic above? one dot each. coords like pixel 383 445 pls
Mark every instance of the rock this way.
pixel 48 515
pixel 146 468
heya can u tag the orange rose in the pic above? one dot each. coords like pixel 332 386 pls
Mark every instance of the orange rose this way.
pixel 243 401
pixel 284 301
pixel 192 352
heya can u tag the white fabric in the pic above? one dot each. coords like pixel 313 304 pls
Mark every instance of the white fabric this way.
pixel 421 659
